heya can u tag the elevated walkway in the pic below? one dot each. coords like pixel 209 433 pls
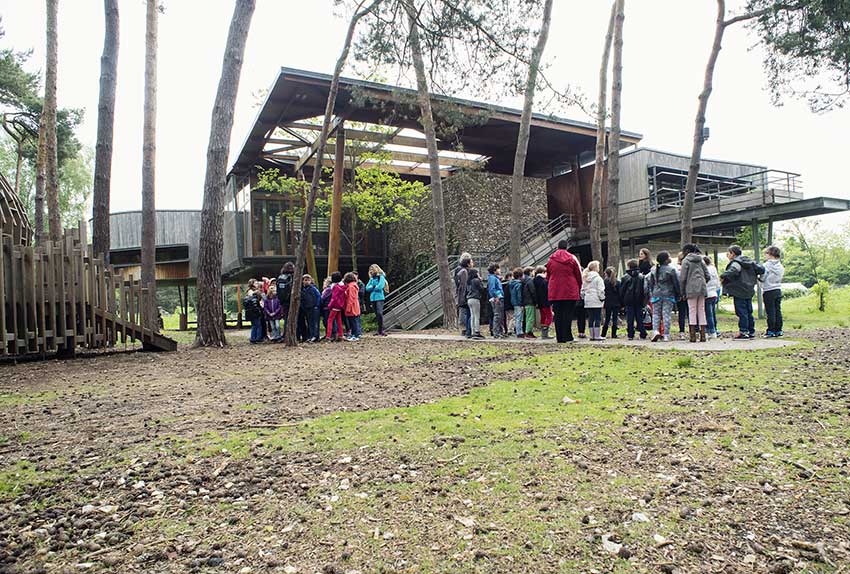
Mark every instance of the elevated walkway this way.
pixel 417 304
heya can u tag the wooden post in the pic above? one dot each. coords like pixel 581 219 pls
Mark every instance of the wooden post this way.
pixel 2 297
pixel 311 254
pixel 336 204
pixel 239 306
pixel 757 258
pixel 770 232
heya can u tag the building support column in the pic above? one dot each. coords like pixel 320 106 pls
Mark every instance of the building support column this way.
pixel 336 202
pixel 770 232
pixel 757 258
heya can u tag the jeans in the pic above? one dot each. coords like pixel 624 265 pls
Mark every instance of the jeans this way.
pixel 496 321
pixel 611 319
pixel 662 315
pixel 744 311
pixel 696 311
pixel 274 329
pixel 711 315
pixel 355 326
pixel 563 319
pixel 474 317
pixel 379 315
pixel 519 315
pixel 463 320
pixel 256 330
pixel 529 318
pixel 773 309
pixel 634 314
pixel 594 317
pixel 313 317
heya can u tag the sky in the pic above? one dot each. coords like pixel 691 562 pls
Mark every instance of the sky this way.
pixel 666 44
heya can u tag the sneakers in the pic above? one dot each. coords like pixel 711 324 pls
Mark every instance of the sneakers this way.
pixel 778 334
pixel 478 336
pixel 656 337
pixel 666 338
pixel 530 336
pixel 770 334
pixel 741 337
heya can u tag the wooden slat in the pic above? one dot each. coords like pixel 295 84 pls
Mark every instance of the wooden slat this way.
pixel 3 346
pixel 13 276
pixel 41 275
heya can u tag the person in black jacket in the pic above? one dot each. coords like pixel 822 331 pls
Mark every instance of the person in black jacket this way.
pixel 529 301
pixel 284 288
pixel 632 296
pixel 474 295
pixel 612 302
pixel 541 290
pixel 253 311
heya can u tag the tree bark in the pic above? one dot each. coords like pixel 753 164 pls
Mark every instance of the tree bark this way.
pixel 105 123
pixel 40 159
pixel 149 166
pixel 334 231
pixel 427 120
pixel 514 250
pixel 210 308
pixel 599 166
pixel 19 162
pixel 48 123
pixel 699 124
pixel 614 141
pixel 290 338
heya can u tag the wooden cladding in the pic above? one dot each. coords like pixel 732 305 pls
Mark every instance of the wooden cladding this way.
pixel 56 298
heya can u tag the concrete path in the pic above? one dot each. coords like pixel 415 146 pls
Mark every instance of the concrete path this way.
pixel 722 344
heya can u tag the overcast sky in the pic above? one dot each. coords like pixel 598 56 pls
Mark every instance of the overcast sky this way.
pixel 666 45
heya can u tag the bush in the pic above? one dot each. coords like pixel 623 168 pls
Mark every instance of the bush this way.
pixel 821 289
pixel 685 362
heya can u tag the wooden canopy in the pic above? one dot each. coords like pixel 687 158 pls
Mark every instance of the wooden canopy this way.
pixel 13 218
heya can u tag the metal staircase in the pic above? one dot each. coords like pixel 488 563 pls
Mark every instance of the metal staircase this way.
pixel 417 304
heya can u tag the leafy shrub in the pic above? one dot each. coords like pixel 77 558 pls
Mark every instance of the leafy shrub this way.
pixel 685 362
pixel 821 289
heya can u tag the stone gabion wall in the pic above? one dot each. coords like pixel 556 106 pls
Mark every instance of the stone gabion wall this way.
pixel 477 220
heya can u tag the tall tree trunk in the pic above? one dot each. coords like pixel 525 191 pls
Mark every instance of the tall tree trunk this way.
pixel 209 303
pixel 353 239
pixel 40 159
pixel 290 339
pixel 105 122
pixel 699 124
pixel 514 254
pixel 149 166
pixel 48 123
pixel 427 120
pixel 614 141
pixel 599 166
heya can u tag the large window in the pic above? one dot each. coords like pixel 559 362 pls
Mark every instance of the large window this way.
pixel 667 187
pixel 274 230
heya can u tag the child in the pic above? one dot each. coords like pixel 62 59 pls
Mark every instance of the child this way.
pixel 772 290
pixel 324 306
pixel 336 306
pixel 284 287
pixel 529 300
pixel 352 306
pixel 682 303
pixel 541 290
pixel 739 282
pixel 593 293
pixel 474 293
pixel 632 297
pixel 711 298
pixel 693 283
pixel 515 288
pixel 377 288
pixel 253 311
pixel 272 310
pixel 496 296
pixel 505 280
pixel 662 284
pixel 310 310
pixel 612 302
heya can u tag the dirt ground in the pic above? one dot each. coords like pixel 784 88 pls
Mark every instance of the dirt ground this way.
pixel 122 463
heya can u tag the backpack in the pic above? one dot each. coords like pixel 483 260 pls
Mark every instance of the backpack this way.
pixel 284 288
pixel 633 291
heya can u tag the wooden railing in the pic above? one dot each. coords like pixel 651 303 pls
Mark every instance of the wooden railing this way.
pixel 56 298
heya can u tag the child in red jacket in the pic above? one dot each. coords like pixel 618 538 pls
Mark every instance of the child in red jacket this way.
pixel 336 306
pixel 352 306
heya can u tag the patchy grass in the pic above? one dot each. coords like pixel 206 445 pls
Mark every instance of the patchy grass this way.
pixel 16 399
pixel 20 476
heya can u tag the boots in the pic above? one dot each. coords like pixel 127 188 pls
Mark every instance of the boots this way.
pixel 544 333
pixel 702 333
pixel 692 333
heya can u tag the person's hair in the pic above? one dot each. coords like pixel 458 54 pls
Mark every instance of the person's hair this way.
pixel 326 282
pixel 252 283
pixel 592 266
pixel 272 288
pixel 706 259
pixel 288 267
pixel 517 272
pixel 307 276
pixel 564 244
pixel 528 270
pixel 472 274
pixel 493 268
pixel 773 251
pixel 689 248
pixel 336 277
pixel 349 277
pixel 646 252
pixel 662 257
pixel 465 259
pixel 356 273
pixel 736 249
pixel 632 263
pixel 375 270
pixel 540 270
pixel 610 275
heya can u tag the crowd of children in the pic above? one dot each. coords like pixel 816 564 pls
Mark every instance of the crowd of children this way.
pixel 337 307
pixel 645 295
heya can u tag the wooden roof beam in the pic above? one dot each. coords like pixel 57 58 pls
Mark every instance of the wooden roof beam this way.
pixel 395 168
pixel 310 151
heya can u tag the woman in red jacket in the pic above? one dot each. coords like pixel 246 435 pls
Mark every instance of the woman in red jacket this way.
pixel 564 274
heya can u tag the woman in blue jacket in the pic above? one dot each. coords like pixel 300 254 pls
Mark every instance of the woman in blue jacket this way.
pixel 377 288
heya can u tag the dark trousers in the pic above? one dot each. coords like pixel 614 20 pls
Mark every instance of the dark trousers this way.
pixel 594 317
pixel 611 318
pixel 563 311
pixel 773 310
pixel 682 307
pixel 744 311
pixel 313 317
pixel 256 330
pixel 634 314
pixel 581 318
pixel 379 315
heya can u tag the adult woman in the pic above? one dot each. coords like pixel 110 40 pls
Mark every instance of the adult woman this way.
pixel 693 279
pixel 377 289
pixel 644 261
pixel 564 274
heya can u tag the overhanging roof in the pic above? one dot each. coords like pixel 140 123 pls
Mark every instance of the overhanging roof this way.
pixel 298 95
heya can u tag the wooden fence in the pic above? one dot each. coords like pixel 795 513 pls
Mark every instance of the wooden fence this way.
pixel 56 298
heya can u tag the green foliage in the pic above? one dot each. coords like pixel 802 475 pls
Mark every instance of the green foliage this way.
pixel 379 197
pixel 685 362
pixel 807 50
pixel 811 253
pixel 18 88
pixel 821 289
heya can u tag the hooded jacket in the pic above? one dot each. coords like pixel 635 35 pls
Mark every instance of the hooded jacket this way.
pixel 631 288
pixel 494 287
pixel 352 299
pixel 272 308
pixel 541 290
pixel 662 283
pixel 337 301
pixel 376 287
pixel 310 297
pixel 693 278
pixel 564 276
pixel 773 274
pixel 515 289
pixel 713 282
pixel 461 280
pixel 529 294
pixel 612 294
pixel 739 279
pixel 593 291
